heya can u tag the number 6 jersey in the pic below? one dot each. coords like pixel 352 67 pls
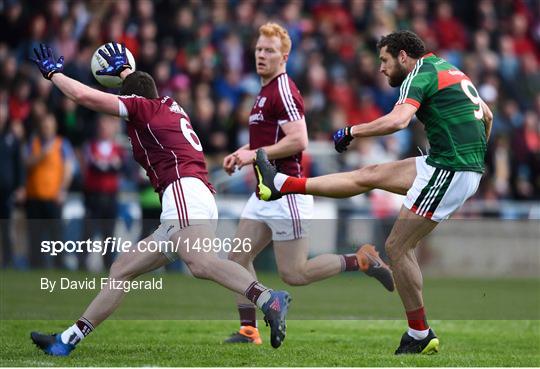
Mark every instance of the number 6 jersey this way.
pixel 163 140
pixel 449 107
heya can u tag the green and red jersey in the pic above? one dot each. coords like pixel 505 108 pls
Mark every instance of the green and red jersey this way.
pixel 450 108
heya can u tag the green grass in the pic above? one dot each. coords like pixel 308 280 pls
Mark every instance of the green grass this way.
pixel 309 343
pixel 347 296
pixel 344 321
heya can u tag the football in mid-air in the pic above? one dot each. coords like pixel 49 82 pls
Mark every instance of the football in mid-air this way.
pixel 99 63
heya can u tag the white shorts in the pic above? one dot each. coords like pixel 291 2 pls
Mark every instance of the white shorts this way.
pixel 185 202
pixel 437 193
pixel 287 217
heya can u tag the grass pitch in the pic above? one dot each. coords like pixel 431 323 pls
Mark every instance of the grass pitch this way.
pixel 344 321
pixel 308 343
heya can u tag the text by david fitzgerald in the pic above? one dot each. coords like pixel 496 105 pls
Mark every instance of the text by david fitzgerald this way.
pixel 63 283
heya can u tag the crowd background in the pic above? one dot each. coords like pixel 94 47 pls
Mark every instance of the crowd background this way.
pixel 201 54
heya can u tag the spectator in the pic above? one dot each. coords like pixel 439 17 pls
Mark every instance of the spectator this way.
pixel 449 30
pixel 11 183
pixel 102 162
pixel 49 162
pixel 192 44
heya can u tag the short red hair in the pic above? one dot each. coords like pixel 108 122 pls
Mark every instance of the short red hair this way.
pixel 275 30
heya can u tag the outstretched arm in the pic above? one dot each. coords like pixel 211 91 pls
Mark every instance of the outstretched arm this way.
pixel 396 120
pixel 91 98
pixel 88 97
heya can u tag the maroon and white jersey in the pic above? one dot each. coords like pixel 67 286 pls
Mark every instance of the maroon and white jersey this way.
pixel 278 102
pixel 163 140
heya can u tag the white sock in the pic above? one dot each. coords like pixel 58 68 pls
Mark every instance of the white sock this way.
pixel 263 298
pixel 72 335
pixel 418 335
pixel 256 326
pixel 279 179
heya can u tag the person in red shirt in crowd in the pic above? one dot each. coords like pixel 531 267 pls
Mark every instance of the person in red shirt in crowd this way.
pixel 449 30
pixel 102 162
pixel 166 146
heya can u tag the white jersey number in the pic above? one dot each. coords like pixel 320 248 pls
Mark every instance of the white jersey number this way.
pixel 466 86
pixel 190 134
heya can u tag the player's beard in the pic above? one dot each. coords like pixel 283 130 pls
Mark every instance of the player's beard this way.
pixel 397 78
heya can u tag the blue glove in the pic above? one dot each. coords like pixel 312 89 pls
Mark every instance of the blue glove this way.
pixel 117 60
pixel 45 62
pixel 342 139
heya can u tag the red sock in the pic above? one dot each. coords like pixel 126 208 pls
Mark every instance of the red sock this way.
pixel 417 319
pixel 294 185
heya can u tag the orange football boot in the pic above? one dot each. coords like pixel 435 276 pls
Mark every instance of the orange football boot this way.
pixel 371 263
pixel 246 334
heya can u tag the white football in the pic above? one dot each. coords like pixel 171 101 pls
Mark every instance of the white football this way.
pixel 99 63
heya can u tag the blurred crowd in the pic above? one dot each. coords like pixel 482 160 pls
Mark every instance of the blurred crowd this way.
pixel 201 53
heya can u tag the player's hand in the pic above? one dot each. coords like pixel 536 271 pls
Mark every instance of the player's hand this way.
pixel 117 60
pixel 244 157
pixel 229 163
pixel 342 139
pixel 46 63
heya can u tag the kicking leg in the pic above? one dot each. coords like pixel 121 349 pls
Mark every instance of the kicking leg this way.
pixel 396 177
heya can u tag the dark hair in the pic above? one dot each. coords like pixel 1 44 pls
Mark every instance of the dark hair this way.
pixel 140 84
pixel 403 40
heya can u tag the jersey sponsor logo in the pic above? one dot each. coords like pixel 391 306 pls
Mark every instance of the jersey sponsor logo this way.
pixel 175 108
pixel 448 78
pixel 256 118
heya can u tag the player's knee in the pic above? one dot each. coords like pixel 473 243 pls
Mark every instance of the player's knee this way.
pixel 199 267
pixel 393 250
pixel 241 258
pixel 293 278
pixel 367 175
pixel 121 270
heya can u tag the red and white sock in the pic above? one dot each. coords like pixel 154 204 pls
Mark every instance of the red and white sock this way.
pixel 418 326
pixel 286 184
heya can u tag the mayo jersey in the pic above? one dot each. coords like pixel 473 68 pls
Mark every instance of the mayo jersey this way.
pixel 449 107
